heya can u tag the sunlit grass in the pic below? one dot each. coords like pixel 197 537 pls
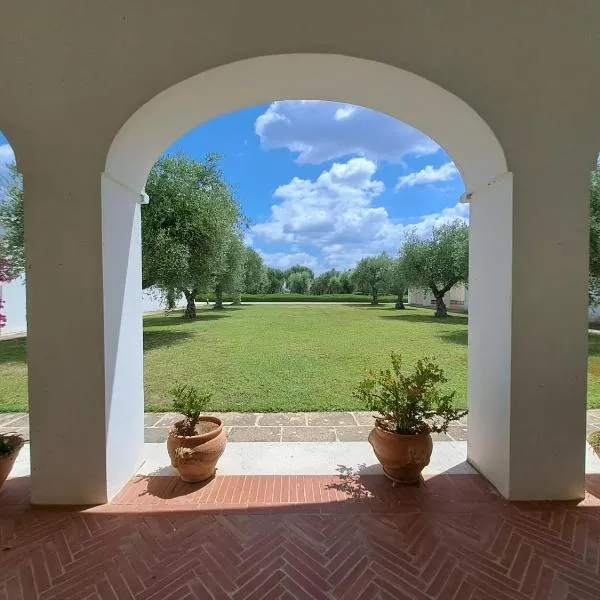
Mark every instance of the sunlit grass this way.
pixel 284 357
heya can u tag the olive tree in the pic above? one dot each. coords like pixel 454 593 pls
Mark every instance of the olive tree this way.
pixel 594 288
pixel 12 221
pixel 438 262
pixel 186 227
pixel 275 280
pixel 230 280
pixel 398 282
pixel 372 275
pixel 299 282
pixel 255 277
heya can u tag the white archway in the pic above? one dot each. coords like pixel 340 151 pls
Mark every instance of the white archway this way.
pixel 409 98
pixel 420 103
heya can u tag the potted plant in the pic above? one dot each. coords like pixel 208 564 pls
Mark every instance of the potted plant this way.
pixel 196 442
pixel 410 408
pixel 10 446
pixel 594 442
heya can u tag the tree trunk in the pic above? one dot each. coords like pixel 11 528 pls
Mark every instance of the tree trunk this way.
pixel 218 298
pixel 190 308
pixel 375 295
pixel 399 303
pixel 440 307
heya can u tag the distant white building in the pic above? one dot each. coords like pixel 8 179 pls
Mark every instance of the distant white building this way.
pixel 457 299
pixel 13 294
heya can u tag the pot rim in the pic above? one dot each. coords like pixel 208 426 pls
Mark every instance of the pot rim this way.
pixel 402 435
pixel 201 436
pixel 16 449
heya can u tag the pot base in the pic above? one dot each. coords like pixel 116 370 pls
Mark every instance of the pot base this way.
pixel 196 478
pixel 403 481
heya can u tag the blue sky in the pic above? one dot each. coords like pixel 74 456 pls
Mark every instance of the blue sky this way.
pixel 324 184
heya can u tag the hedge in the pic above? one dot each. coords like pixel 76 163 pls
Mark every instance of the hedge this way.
pixel 306 298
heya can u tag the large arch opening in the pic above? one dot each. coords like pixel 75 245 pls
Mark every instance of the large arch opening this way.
pixel 420 103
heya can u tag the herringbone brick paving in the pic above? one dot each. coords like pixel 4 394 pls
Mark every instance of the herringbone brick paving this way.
pixel 266 538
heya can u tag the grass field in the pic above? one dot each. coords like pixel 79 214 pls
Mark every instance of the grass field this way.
pixel 283 358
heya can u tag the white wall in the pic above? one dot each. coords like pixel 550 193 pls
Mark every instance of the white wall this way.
pixel 152 301
pixel 459 293
pixel 13 294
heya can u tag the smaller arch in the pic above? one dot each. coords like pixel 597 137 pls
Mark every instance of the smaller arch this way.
pixel 408 97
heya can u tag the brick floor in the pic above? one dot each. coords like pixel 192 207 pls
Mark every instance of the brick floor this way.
pixel 350 537
pixel 279 427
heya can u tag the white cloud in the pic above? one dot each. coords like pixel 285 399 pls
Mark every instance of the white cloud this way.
pixel 335 216
pixel 458 212
pixel 283 260
pixel 427 175
pixel 320 131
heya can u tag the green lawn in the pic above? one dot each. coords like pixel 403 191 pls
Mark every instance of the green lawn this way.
pixel 283 357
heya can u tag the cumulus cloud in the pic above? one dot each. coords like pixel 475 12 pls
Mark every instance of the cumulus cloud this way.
pixel 335 208
pixel 320 131
pixel 284 260
pixel 335 217
pixel 427 175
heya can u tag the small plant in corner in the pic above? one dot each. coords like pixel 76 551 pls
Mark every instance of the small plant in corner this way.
pixel 410 406
pixel 196 442
pixel 594 442
pixel 10 446
pixel 188 401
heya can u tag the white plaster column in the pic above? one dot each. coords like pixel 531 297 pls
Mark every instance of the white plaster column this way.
pixel 123 334
pixel 528 332
pixel 84 335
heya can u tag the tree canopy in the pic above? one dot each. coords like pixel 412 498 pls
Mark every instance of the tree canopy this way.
pixel 372 275
pixel 595 237
pixel 230 279
pixel 187 226
pixel 12 222
pixel 398 283
pixel 275 280
pixel 256 280
pixel 439 262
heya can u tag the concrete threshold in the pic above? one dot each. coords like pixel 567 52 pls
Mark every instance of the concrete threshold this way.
pixel 302 458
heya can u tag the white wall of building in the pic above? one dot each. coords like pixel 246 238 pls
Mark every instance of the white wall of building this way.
pixel 13 294
pixel 456 299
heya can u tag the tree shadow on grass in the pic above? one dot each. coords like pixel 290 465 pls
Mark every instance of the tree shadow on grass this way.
pixel 177 320
pixel 384 305
pixel 451 319
pixel 456 337
pixel 13 351
pixel 162 338
pixel 593 344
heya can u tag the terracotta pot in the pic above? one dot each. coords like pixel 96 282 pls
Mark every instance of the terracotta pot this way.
pixel 402 457
pixel 8 460
pixel 196 456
